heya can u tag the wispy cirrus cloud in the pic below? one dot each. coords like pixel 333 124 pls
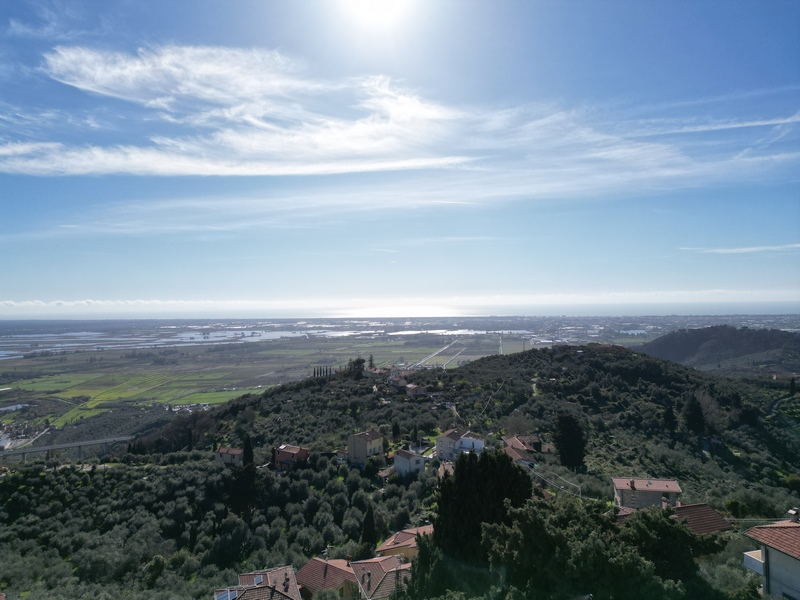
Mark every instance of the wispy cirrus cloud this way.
pixel 745 249
pixel 248 112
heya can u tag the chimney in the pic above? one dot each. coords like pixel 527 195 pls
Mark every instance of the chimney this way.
pixel 664 502
pixel 633 484
pixel 369 581
pixel 349 558
pixel 793 516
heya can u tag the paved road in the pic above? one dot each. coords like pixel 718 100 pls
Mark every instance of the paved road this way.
pixel 31 449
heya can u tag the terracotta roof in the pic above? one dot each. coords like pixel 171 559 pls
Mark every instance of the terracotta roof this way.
pixel 407 454
pixel 521 443
pixel 454 434
pixel 404 539
pixel 379 577
pixel 369 435
pixel 623 512
pixel 701 518
pixel 319 574
pixel 226 450
pixel 646 485
pixel 784 536
pixel 290 449
pixel 514 454
pixel 264 592
pixel 282 578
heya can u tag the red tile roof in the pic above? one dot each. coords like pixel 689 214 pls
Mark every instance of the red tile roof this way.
pixel 701 518
pixel 784 536
pixel 319 574
pixel 226 450
pixel 379 577
pixel 369 435
pixel 405 539
pixel 281 578
pixel 646 485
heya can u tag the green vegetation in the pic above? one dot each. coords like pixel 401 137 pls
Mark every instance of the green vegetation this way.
pixel 168 500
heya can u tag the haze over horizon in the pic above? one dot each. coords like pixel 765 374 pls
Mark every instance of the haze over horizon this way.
pixel 382 158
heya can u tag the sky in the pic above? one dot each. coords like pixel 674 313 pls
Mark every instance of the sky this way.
pixel 368 158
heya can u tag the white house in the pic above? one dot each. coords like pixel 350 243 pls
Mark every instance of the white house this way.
pixel 778 558
pixel 455 441
pixel 406 462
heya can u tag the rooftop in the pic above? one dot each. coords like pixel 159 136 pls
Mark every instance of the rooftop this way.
pixel 404 539
pixel 663 486
pixel 321 574
pixel 369 435
pixel 783 536
pixel 701 519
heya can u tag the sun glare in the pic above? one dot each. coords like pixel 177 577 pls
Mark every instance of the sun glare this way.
pixel 377 15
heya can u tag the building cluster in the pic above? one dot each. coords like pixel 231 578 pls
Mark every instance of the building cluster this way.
pixel 384 576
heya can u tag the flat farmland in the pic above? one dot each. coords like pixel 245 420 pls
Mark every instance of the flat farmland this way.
pixel 85 384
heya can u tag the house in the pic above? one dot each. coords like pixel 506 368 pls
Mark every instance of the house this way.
pixel 286 455
pixel 404 543
pixel 230 457
pixel 381 577
pixel 406 462
pixel 319 574
pixel 700 518
pixel 641 493
pixel 524 443
pixel 521 448
pixel 455 441
pixel 413 390
pixel 778 558
pixel 268 584
pixel 360 446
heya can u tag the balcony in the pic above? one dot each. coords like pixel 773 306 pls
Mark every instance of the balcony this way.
pixel 754 562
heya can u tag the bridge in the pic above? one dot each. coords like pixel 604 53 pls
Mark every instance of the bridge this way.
pixel 79 445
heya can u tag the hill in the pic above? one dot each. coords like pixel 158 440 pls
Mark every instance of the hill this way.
pixel 731 351
pixel 185 525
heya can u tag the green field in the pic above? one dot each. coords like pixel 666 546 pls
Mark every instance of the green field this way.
pixel 70 389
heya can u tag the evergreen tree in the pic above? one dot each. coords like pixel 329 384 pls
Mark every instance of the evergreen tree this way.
pixel 792 387
pixel 670 422
pixel 476 493
pixel 369 533
pixel 570 441
pixel 247 455
pixel 693 418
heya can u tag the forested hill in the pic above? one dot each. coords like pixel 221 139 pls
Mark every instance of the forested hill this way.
pixel 640 415
pixel 167 522
pixel 711 346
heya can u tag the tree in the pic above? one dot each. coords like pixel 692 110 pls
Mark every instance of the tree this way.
pixel 570 441
pixel 670 422
pixel 371 363
pixel 369 533
pixel 692 414
pixel 481 490
pixel 247 454
pixel 792 387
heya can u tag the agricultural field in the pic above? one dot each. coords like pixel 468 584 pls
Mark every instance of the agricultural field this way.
pixel 70 390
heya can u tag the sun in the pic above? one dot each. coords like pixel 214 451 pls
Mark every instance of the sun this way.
pixel 377 16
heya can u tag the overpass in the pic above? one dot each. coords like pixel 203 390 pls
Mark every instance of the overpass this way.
pixel 79 445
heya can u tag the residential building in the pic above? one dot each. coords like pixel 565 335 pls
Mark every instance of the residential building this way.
pixel 360 446
pixel 319 574
pixel 641 493
pixel 700 519
pixel 406 462
pixel 268 584
pixel 413 390
pixel 230 457
pixel 381 577
pixel 286 455
pixel 455 441
pixel 778 558
pixel 404 543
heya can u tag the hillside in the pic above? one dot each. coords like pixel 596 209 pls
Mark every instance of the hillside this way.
pixel 185 525
pixel 731 351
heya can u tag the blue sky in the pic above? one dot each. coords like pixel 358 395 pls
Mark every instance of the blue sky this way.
pixel 387 158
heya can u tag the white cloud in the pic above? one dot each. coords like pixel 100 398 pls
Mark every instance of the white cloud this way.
pixel 745 249
pixel 249 112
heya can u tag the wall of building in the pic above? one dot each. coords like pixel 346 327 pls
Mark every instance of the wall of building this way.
pixel 784 574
